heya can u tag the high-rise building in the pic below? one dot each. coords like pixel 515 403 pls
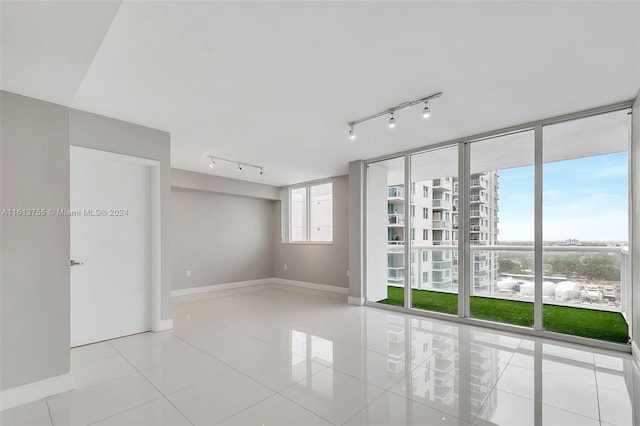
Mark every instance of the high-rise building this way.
pixel 434 232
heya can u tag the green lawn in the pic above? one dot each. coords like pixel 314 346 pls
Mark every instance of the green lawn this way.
pixel 601 325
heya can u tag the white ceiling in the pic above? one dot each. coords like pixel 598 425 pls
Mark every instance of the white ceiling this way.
pixel 274 83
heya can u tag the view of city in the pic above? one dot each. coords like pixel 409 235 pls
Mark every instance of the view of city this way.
pixel 574 272
pixel 584 223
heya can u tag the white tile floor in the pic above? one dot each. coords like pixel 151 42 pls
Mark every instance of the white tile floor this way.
pixel 278 357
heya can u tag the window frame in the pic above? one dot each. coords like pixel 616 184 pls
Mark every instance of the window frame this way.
pixel 286 228
pixel 464 280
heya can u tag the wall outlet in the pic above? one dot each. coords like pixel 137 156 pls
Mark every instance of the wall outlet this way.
pixel 285 266
pixel 189 273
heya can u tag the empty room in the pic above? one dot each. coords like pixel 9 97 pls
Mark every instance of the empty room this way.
pixel 319 213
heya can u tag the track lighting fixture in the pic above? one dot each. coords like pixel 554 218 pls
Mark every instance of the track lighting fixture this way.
pixel 392 121
pixel 352 134
pixel 239 164
pixel 426 112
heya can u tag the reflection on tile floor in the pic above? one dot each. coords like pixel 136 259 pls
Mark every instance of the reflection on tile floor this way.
pixel 276 357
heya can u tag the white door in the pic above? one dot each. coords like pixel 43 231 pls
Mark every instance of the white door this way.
pixel 110 239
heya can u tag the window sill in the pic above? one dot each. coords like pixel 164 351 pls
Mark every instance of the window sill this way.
pixel 313 243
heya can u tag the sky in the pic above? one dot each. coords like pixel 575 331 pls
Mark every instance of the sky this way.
pixel 584 199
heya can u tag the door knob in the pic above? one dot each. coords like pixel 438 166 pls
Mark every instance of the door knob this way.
pixel 74 263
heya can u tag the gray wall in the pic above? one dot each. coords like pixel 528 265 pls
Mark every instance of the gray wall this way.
pixel 635 220
pixel 204 182
pixel 220 238
pixel 317 263
pixel 34 260
pixel 106 134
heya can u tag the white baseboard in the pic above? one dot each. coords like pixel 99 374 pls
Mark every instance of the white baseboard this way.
pixel 218 287
pixel 312 286
pixel 358 301
pixel 163 325
pixel 260 282
pixel 35 391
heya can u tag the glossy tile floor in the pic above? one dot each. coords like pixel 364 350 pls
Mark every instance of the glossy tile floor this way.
pixel 280 357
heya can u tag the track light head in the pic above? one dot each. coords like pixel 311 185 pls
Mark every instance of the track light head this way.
pixel 212 162
pixel 239 167
pixel 261 171
pixel 426 112
pixel 352 134
pixel 392 121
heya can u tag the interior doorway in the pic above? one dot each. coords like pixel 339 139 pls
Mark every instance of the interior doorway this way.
pixel 114 218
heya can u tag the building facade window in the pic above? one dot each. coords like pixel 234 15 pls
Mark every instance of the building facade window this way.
pixel 311 213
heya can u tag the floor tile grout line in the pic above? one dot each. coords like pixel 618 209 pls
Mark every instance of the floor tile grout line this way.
pixel 181 358
pixel 206 353
pixel 143 346
pixel 159 391
pixel 494 388
pixel 246 408
pixel 124 411
pixel 409 400
pixel 595 375
pixel 550 405
pixel 49 410
pixel 302 406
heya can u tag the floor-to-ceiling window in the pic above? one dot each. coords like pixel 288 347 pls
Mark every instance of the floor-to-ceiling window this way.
pixel 501 228
pixel 585 226
pixel 527 227
pixel 434 250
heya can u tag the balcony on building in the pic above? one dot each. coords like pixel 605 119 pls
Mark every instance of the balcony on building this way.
pixel 396 193
pixel 395 274
pixel 441 224
pixel 441 265
pixel 442 184
pixel 440 204
pixel 396 219
pixel 478 183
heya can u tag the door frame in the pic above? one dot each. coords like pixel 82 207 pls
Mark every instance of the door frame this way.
pixel 155 235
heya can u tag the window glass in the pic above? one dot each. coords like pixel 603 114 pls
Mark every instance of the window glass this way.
pixel 320 213
pixel 311 213
pixel 299 214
